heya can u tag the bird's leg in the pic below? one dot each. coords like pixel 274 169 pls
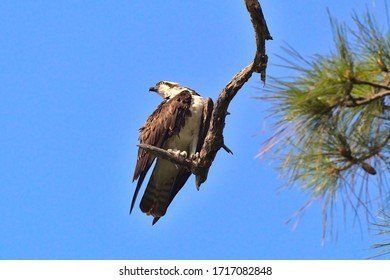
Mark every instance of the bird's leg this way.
pixel 192 148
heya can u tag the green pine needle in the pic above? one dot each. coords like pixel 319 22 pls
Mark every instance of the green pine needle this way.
pixel 332 118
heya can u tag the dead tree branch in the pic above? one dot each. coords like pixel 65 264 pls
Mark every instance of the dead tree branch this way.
pixel 214 139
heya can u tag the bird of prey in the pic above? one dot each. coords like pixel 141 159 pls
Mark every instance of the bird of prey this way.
pixel 179 124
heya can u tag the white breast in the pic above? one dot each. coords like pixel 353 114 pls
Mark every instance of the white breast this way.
pixel 187 139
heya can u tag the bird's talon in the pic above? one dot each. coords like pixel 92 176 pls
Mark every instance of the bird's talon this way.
pixel 195 156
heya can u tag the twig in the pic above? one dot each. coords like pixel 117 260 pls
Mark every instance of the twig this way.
pixel 359 102
pixel 375 85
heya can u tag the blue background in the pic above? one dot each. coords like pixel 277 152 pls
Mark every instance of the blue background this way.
pixel 73 92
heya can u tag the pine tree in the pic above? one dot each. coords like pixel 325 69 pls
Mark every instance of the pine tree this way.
pixel 332 125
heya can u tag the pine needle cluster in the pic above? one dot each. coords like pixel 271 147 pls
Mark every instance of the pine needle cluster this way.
pixel 332 118
pixel 383 226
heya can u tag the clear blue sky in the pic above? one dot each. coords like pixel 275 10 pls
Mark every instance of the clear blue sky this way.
pixel 73 92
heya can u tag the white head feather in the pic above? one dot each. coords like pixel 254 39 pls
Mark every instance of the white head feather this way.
pixel 167 89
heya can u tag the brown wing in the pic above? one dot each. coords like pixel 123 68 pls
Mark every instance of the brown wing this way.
pixel 184 174
pixel 164 122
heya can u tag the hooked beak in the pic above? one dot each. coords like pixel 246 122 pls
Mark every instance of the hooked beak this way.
pixel 153 89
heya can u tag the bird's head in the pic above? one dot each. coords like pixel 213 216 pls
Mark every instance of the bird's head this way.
pixel 167 89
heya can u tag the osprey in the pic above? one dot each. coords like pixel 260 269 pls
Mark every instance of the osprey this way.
pixel 179 124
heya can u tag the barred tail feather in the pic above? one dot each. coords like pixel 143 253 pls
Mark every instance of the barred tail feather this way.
pixel 157 196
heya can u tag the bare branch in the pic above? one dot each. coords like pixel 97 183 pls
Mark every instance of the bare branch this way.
pixel 262 34
pixel 172 157
pixel 214 139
